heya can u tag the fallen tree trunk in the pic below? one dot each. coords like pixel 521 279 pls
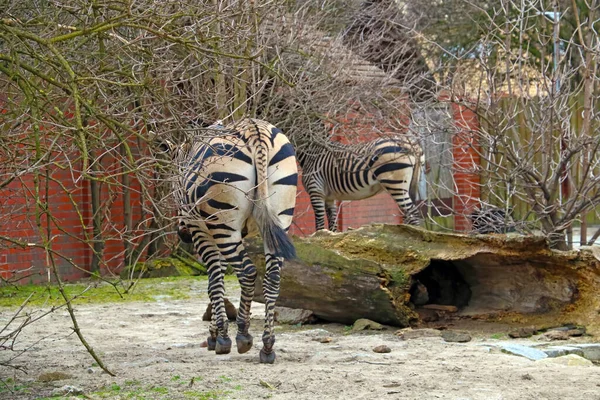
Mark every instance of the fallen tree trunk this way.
pixel 386 273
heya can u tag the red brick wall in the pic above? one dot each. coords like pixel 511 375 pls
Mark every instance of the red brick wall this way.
pixel 303 223
pixel 70 240
pixel 113 211
pixel 377 209
pixel 69 227
pixel 65 228
pixel 466 162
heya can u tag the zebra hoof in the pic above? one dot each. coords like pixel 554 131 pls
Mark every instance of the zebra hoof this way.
pixel 211 344
pixel 267 358
pixel 244 343
pixel 223 345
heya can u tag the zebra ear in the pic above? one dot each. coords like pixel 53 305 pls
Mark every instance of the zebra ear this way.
pixel 163 145
pixel 167 146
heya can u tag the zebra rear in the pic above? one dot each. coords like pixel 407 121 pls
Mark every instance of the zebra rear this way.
pixel 248 171
pixel 359 171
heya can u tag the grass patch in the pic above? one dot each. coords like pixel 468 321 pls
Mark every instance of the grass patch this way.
pixel 9 385
pixel 146 290
pixel 160 389
pixel 205 395
pixel 132 390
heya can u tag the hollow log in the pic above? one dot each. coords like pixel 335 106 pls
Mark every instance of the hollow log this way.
pixel 386 273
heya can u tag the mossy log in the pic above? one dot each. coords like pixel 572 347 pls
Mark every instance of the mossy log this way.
pixel 376 272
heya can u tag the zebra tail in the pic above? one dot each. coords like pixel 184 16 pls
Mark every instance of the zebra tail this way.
pixel 413 189
pixel 274 236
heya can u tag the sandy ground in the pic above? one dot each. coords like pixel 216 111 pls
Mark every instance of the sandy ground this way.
pixel 154 349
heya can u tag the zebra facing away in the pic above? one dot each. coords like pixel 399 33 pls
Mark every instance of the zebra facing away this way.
pixel 338 171
pixel 246 170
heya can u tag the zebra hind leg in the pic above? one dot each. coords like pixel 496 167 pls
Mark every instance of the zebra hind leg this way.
pixel 211 341
pixel 218 339
pixel 331 210
pixel 398 189
pixel 271 285
pixel 318 205
pixel 246 273
pixel 411 215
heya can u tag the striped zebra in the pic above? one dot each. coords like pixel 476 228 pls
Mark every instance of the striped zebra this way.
pixel 338 171
pixel 246 170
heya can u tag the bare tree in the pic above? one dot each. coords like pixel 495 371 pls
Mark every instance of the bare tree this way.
pixel 534 90
pixel 528 70
pixel 82 84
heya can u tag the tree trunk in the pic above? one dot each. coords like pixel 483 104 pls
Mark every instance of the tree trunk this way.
pixel 339 289
pixel 388 273
pixel 97 217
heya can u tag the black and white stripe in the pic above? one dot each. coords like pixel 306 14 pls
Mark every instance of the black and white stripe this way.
pixel 354 172
pixel 246 171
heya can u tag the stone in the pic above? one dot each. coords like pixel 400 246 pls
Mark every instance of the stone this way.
pixel 523 351
pixel 440 307
pixel 523 332
pixel 53 376
pixel 419 294
pixel 147 362
pixel 293 316
pixel 426 315
pixel 67 390
pixel 456 336
pixel 315 332
pixel 366 324
pixel 559 351
pixel 382 349
pixel 576 332
pixel 230 310
pixel 591 351
pixel 556 335
pixel 570 360
pixel 407 334
pixel 570 329
pixel 183 346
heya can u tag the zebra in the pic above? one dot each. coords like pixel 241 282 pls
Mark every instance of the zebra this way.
pixel 337 171
pixel 246 171
pixel 491 219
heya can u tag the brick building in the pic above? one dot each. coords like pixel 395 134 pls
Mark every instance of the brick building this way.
pixel 66 194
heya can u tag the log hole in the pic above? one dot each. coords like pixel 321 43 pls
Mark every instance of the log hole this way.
pixel 486 284
pixel 440 283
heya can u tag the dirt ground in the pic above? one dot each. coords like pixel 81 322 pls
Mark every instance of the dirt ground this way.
pixel 154 349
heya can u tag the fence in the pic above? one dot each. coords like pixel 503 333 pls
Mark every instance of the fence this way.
pixel 528 126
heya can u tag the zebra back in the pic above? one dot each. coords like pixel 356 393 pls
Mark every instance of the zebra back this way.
pixel 269 148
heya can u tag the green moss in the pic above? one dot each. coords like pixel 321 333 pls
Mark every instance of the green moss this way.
pixel 145 290
pixel 398 277
pixel 311 254
pixel 378 244
pixel 161 267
